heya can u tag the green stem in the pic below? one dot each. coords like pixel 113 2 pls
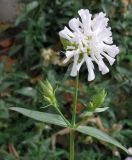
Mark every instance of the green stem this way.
pixel 72 131
pixel 75 102
pixel 72 136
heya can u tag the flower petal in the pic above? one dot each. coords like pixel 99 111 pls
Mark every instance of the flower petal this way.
pixel 102 67
pixel 74 67
pixel 104 35
pixel 67 34
pixel 99 22
pixel 86 20
pixel 110 59
pixel 90 67
pixel 112 50
pixel 80 64
pixel 64 35
pixel 74 24
pixel 70 54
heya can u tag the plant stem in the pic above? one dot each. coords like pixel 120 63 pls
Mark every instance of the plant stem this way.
pixel 72 132
pixel 72 137
pixel 75 102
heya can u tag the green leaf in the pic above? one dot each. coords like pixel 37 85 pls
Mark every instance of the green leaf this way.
pixel 90 113
pixel 86 114
pixel 19 19
pixel 27 91
pixel 98 110
pixel 3 110
pixel 94 132
pixel 32 6
pixel 41 116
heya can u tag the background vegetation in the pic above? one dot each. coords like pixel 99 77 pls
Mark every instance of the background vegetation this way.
pixel 30 51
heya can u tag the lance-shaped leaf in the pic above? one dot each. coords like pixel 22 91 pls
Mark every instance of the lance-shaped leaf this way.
pixel 98 110
pixel 99 135
pixel 90 113
pixel 41 116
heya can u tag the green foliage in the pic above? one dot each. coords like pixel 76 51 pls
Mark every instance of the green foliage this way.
pixel 57 120
pixel 41 116
pixel 40 28
pixel 3 110
pixel 99 135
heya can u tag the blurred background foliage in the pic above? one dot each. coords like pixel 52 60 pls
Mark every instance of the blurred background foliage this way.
pixel 30 51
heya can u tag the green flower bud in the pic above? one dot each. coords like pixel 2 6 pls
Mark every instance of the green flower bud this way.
pixel 97 100
pixel 48 93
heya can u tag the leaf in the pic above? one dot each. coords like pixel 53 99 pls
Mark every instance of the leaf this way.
pixel 27 91
pixel 32 6
pixel 94 132
pixel 86 114
pixel 106 6
pixel 90 113
pixel 20 75
pixel 19 19
pixel 98 110
pixel 3 110
pixel 27 9
pixel 41 116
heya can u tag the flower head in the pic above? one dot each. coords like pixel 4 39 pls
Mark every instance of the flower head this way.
pixel 89 40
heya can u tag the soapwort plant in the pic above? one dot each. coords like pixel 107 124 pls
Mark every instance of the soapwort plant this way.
pixel 87 40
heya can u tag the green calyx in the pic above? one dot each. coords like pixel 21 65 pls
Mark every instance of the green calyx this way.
pixel 67 43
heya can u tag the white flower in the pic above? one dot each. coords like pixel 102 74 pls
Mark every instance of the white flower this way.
pixel 90 40
pixel 130 150
pixel 128 158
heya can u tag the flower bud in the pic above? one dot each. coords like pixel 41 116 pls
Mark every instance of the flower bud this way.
pixel 97 100
pixel 48 92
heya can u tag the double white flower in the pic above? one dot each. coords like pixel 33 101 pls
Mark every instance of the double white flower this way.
pixel 90 41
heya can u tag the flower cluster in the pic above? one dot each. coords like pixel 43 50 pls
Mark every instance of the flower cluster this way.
pixel 89 40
